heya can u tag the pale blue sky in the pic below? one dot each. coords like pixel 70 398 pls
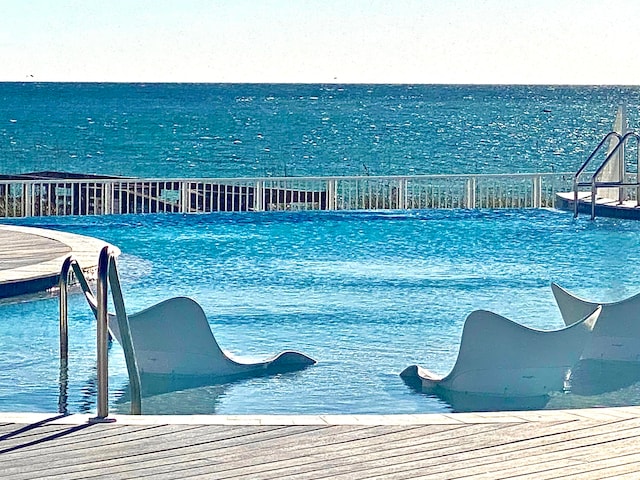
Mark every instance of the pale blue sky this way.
pixel 344 41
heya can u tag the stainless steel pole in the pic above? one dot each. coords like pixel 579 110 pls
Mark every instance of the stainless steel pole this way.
pixel 102 335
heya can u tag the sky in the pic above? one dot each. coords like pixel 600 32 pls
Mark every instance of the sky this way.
pixel 587 42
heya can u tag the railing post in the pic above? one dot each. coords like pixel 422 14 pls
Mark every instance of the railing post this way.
pixel 537 191
pixel 471 193
pixel 184 197
pixel 106 197
pixel 63 379
pixel 331 194
pixel 621 167
pixel 26 198
pixel 402 194
pixel 258 196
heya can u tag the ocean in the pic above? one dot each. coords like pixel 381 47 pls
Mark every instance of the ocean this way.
pixel 258 130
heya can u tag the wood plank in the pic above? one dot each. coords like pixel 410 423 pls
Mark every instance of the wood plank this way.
pixel 19 249
pixel 164 442
pixel 583 448
pixel 490 458
pixel 490 462
pixel 398 456
pixel 428 443
pixel 48 438
pixel 31 258
pixel 106 440
pixel 271 459
pixel 272 450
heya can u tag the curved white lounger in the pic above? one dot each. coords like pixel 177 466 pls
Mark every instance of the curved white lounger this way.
pixel 501 358
pixel 173 342
pixel 611 358
pixel 616 335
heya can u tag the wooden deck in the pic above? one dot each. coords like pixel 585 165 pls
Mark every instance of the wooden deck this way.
pixel 593 443
pixel 31 258
pixel 605 207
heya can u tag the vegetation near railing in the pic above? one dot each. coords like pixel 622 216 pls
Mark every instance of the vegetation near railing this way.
pixel 25 198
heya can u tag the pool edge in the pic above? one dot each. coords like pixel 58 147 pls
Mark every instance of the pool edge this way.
pixel 604 413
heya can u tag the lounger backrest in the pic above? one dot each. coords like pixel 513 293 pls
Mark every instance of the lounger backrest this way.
pixel 501 357
pixel 174 337
pixel 616 335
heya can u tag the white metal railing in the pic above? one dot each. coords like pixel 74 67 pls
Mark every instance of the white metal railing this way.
pixel 26 198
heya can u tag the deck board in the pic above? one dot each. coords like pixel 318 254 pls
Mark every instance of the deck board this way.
pixel 534 460
pixel 31 258
pixel 605 207
pixel 585 444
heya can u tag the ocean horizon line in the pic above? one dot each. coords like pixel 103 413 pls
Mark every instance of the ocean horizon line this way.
pixel 292 83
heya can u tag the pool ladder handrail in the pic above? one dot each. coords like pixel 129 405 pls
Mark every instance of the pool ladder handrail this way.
pixel 107 274
pixel 593 183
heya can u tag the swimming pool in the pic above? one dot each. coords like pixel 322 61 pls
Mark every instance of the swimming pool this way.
pixel 366 294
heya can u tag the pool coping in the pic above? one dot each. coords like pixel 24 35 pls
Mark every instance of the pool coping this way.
pixel 532 416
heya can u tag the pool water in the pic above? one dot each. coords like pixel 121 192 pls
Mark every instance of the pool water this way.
pixel 366 294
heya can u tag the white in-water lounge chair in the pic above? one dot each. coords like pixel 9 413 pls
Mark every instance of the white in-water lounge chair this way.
pixel 173 339
pixel 169 346
pixel 501 358
pixel 616 336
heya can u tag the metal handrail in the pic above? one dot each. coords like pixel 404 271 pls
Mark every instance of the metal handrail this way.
pixel 595 152
pixel 69 265
pixel 593 182
pixel 613 152
pixel 102 337
pixel 622 140
pixel 107 274
pixel 576 182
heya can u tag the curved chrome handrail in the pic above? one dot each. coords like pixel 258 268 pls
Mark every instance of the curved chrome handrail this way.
pixel 595 152
pixel 107 255
pixel 622 140
pixel 576 177
pixel 71 264
pixel 616 149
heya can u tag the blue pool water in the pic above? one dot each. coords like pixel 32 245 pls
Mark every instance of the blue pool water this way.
pixel 366 294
